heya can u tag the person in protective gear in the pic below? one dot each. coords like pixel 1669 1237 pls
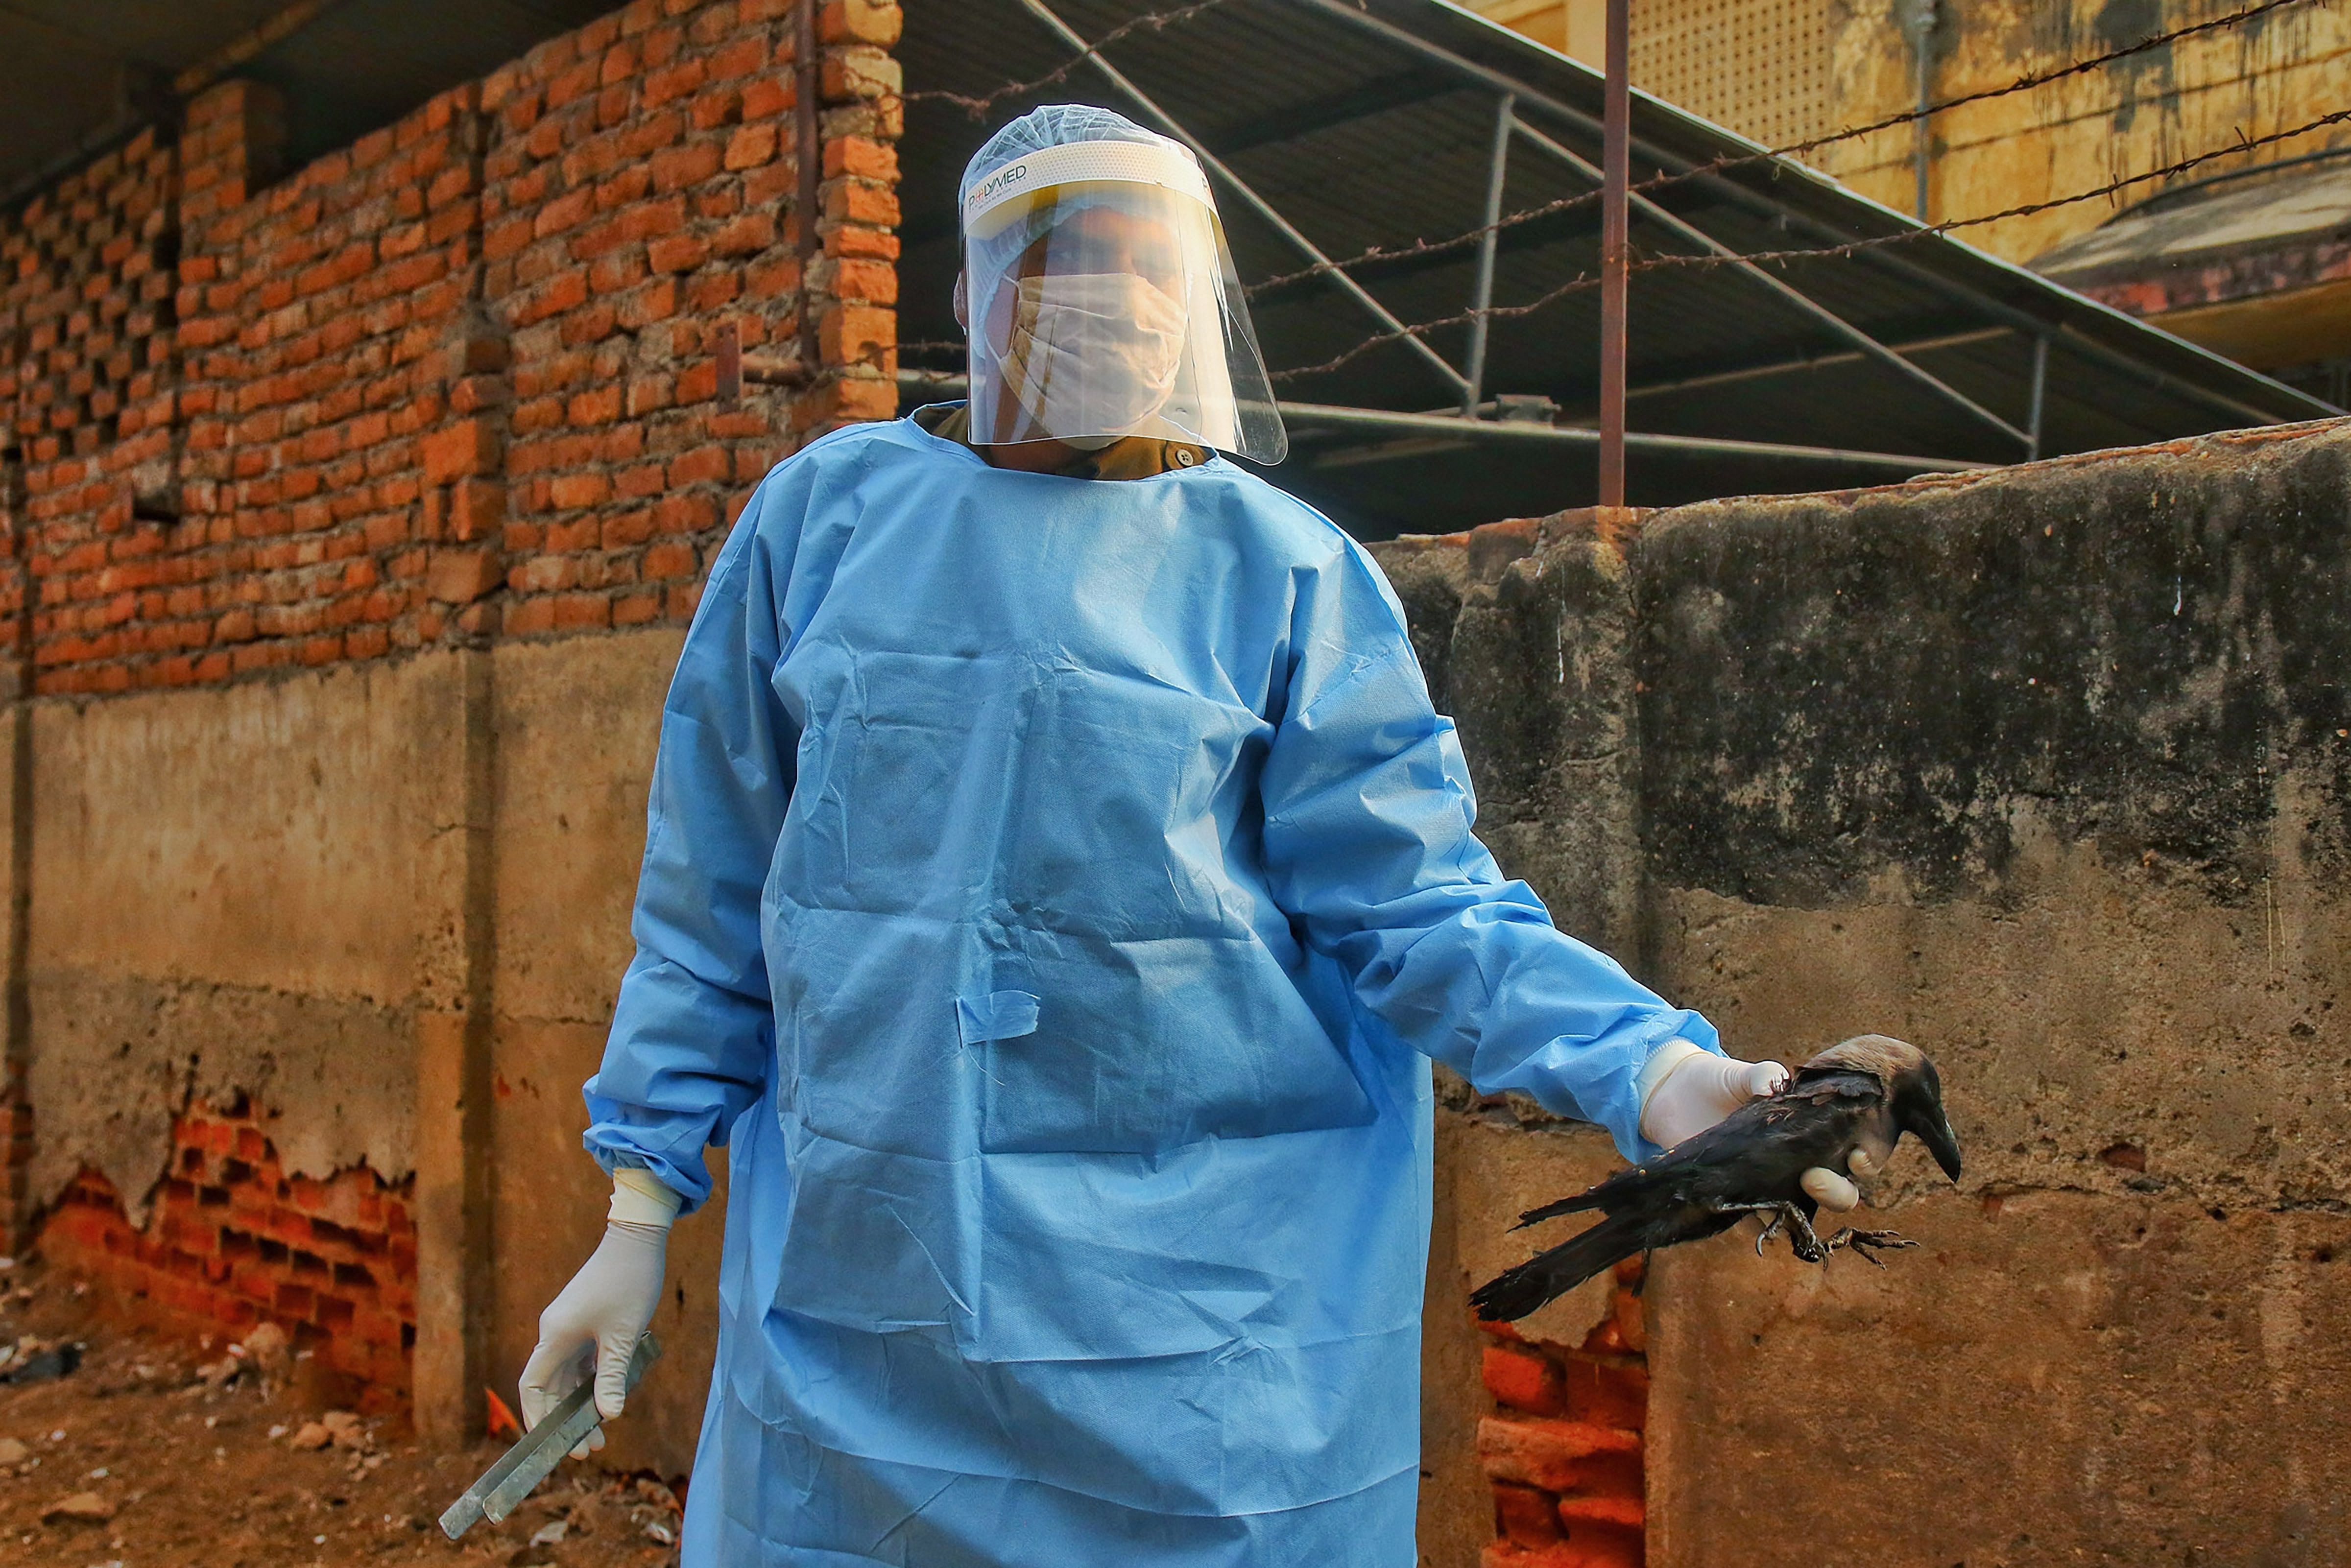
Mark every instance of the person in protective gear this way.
pixel 1056 884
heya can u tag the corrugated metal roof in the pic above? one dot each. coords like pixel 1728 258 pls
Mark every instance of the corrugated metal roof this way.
pixel 1369 123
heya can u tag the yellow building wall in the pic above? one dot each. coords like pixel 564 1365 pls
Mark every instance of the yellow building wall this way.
pixel 1784 70
pixel 1571 26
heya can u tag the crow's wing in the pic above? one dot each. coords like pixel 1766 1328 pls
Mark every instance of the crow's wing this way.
pixel 1631 1184
pixel 1713 1158
pixel 1819 1085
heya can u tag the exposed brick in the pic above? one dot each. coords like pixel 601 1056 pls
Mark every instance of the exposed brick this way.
pixel 1525 1379
pixel 856 201
pixel 572 490
pixel 1606 1390
pixel 861 157
pixel 703 463
pixel 1576 1450
pixel 677 252
pixel 856 334
pixel 210 1260
pixel 860 70
pixel 851 240
pixel 1554 1455
pixel 669 560
pixel 462 576
pixel 1622 1512
pixel 747 235
pixel 867 282
pixel 1526 1514
pixel 848 400
pixel 875 21
pixel 1609 1551
pixel 750 146
pixel 469 446
pixel 765 98
pixel 674 168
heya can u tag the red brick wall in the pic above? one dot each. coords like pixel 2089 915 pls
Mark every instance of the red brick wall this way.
pixel 320 325
pixel 1564 1450
pixel 452 382
pixel 87 361
pixel 232 1240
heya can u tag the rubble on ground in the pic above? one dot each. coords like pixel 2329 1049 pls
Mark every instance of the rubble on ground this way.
pixel 156 1454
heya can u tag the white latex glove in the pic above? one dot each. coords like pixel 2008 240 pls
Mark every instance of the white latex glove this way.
pixel 594 1324
pixel 1833 1192
pixel 1686 1089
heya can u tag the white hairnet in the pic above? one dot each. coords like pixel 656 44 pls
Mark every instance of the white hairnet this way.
pixel 1055 125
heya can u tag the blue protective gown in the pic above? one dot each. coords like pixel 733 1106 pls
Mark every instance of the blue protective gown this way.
pixel 1052 887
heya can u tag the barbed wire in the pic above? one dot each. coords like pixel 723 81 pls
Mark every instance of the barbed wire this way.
pixel 1733 161
pixel 1585 281
pixel 1426 246
pixel 1156 20
pixel 1581 282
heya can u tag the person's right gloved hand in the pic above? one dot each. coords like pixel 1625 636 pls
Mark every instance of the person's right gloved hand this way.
pixel 1686 1089
pixel 592 1326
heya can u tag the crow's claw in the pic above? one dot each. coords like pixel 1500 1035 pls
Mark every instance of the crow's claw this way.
pixel 1865 1243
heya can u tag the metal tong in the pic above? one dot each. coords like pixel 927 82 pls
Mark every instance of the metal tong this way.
pixel 520 1469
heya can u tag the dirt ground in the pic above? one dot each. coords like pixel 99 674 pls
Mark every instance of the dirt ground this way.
pixel 149 1454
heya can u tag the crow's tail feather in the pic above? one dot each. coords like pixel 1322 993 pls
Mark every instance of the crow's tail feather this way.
pixel 1514 1293
pixel 1588 1199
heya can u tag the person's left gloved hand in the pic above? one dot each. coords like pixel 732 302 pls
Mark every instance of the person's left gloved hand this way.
pixel 1686 1089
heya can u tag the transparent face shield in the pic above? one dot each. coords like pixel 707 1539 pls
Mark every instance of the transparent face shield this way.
pixel 1100 302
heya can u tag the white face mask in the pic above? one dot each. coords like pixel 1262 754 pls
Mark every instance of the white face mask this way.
pixel 1092 354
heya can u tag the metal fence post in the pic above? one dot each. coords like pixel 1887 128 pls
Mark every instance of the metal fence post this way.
pixel 1616 180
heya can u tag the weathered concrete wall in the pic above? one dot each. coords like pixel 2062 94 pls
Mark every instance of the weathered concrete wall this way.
pixel 225 899
pixel 245 911
pixel 575 726
pixel 2045 771
pixel 261 893
pixel 2275 72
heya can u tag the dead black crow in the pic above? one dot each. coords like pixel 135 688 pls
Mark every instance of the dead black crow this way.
pixel 1860 1095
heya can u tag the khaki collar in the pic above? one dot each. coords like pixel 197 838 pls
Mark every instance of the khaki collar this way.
pixel 1128 457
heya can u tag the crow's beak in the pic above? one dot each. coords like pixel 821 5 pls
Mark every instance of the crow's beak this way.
pixel 1932 1128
